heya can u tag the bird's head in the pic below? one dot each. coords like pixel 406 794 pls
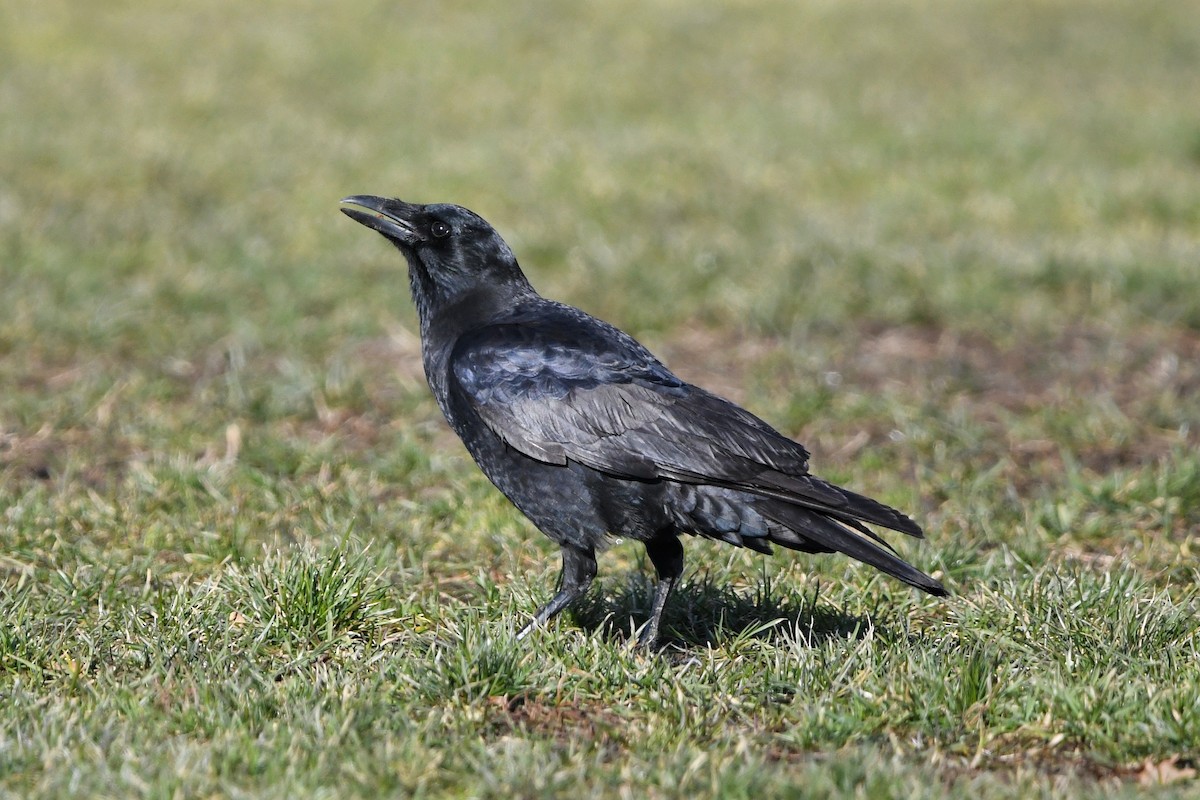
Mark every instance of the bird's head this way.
pixel 450 251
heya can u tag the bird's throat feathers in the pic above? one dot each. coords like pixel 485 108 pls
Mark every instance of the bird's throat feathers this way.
pixel 480 277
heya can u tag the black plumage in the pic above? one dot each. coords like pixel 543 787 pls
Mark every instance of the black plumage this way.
pixel 591 436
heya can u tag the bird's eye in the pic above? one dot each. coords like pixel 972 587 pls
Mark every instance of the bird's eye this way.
pixel 440 230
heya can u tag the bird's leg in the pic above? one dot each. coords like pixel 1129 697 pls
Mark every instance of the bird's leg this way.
pixel 578 571
pixel 666 554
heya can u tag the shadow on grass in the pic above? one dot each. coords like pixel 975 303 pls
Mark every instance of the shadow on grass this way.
pixel 704 613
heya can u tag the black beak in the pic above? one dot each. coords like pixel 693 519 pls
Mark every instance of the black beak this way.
pixel 395 219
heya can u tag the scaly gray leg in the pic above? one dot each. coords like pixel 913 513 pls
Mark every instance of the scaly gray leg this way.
pixel 578 571
pixel 666 554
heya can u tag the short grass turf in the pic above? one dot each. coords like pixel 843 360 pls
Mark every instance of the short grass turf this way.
pixel 952 247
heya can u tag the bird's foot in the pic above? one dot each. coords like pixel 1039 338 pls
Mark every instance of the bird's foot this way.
pixel 529 628
pixel 647 639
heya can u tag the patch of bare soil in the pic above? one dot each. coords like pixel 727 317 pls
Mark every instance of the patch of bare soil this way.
pixel 564 723
pixel 1143 379
pixel 718 360
pixel 1067 762
pixel 1034 373
pixel 1140 383
pixel 41 455
pixel 1058 762
pixel 398 354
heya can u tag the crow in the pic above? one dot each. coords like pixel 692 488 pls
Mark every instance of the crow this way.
pixel 592 437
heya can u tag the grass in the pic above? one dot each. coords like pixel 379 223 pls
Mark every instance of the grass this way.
pixel 952 247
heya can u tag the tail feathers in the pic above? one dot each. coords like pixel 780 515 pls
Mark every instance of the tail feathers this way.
pixel 802 527
pixel 842 504
pixel 865 531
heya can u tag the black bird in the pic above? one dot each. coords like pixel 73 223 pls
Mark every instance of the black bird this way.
pixel 590 436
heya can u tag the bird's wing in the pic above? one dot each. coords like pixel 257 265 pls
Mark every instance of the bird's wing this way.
pixel 580 390
pixel 555 392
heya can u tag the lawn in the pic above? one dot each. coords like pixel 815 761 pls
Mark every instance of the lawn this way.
pixel 953 247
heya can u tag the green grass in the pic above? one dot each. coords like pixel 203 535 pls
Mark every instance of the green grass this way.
pixel 952 247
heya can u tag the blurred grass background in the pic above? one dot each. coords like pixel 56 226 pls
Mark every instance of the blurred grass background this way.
pixel 953 247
